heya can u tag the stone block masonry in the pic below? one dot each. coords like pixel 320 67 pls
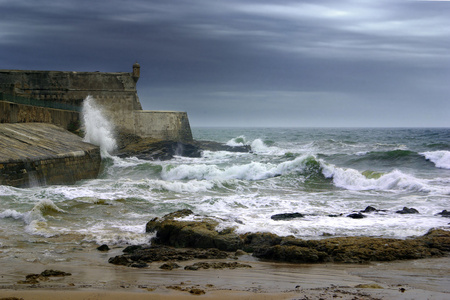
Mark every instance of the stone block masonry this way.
pixel 20 113
pixel 40 154
pixel 165 125
pixel 115 92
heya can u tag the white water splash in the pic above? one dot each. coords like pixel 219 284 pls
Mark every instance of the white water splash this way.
pixel 98 129
pixel 441 159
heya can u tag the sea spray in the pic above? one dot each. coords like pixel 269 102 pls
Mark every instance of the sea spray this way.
pixel 98 129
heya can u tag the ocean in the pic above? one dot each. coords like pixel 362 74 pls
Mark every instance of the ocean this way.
pixel 325 174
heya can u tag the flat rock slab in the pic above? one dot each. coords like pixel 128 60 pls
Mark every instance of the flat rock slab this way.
pixel 40 154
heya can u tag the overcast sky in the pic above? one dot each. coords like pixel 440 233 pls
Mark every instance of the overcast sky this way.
pixel 251 63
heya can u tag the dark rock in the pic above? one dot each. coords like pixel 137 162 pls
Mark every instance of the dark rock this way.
pixel 164 253
pixel 356 216
pixel 36 278
pixel 195 291
pixel 286 216
pixel 290 254
pixel 258 240
pixel 153 149
pixel 132 248
pixel 139 265
pixel 198 234
pixel 54 273
pixel 407 210
pixel 445 213
pixel 216 265
pixel 103 248
pixel 119 260
pixel 369 209
pixel 169 266
pixel 215 146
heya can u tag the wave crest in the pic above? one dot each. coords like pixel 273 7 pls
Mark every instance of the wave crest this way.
pixel 441 159
pixel 352 179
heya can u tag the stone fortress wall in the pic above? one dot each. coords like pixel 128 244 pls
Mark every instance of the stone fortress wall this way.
pixel 56 97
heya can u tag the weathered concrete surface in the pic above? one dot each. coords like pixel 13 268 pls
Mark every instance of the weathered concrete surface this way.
pixel 164 125
pixel 39 154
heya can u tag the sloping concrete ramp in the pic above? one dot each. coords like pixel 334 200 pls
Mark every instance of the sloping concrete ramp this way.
pixel 34 154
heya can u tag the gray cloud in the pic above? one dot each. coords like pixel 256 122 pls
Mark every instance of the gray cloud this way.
pixel 251 63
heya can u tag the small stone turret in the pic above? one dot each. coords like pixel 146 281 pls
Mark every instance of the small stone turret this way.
pixel 136 71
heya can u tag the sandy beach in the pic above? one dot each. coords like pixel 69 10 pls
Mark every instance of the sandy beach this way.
pixel 92 277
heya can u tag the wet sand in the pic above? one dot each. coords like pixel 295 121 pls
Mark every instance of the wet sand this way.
pixel 93 278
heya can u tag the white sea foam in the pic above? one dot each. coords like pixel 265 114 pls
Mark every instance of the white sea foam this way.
pixel 237 141
pixel 40 209
pixel 114 234
pixel 440 158
pixel 250 171
pixel 259 147
pixel 11 213
pixel 193 186
pixel 98 129
pixel 354 180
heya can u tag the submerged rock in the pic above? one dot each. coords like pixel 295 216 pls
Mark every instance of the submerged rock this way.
pixel 444 213
pixel 103 248
pixel 286 216
pixel 356 216
pixel 169 266
pixel 216 265
pixel 407 210
pixel 144 255
pixel 43 276
pixel 154 149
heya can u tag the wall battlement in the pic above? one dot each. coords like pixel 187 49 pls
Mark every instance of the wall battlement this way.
pixel 115 92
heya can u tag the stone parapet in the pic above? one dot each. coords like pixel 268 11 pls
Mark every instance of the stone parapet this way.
pixel 20 113
pixel 40 154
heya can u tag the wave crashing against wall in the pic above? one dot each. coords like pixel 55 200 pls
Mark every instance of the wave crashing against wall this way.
pixel 98 129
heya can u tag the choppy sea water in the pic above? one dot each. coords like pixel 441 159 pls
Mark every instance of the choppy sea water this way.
pixel 321 173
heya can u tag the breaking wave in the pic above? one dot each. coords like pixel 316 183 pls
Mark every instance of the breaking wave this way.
pixel 352 179
pixel 441 159
pixel 251 171
pixel 98 129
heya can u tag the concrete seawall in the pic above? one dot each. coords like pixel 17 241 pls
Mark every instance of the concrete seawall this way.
pixel 39 154
pixel 164 125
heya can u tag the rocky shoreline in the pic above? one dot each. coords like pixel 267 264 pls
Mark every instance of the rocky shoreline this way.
pixel 154 149
pixel 178 240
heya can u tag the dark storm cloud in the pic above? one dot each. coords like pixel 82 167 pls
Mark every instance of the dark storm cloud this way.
pixel 253 63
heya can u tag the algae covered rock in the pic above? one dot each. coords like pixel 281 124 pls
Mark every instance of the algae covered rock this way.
pixel 200 233
pixel 175 230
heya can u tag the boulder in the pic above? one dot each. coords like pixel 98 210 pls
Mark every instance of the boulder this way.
pixel 286 216
pixel 444 213
pixel 356 216
pixel 195 234
pixel 407 210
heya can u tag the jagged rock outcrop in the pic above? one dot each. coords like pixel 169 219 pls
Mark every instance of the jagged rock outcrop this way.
pixel 171 230
pixel 155 149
